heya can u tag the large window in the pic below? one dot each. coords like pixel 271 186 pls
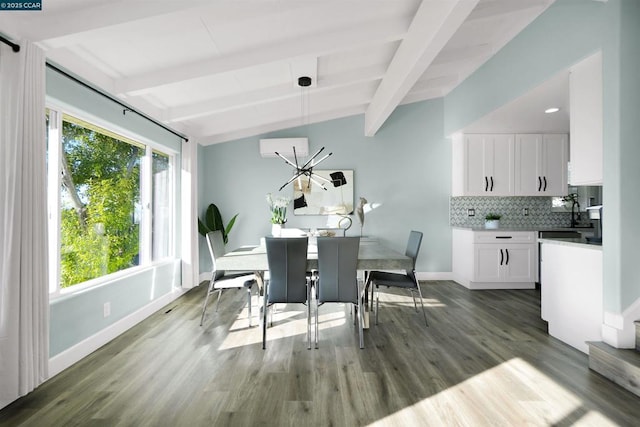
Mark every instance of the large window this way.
pixel 112 208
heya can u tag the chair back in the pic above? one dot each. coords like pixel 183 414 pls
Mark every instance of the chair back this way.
pixel 337 264
pixel 287 259
pixel 215 243
pixel 413 246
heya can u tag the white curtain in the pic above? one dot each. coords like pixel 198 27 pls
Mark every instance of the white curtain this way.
pixel 24 293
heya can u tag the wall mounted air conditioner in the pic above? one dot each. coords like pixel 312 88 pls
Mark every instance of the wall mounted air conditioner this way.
pixel 284 146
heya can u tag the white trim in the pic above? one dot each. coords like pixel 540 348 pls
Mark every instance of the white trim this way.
pixel 618 329
pixel 72 355
pixel 189 215
pixel 433 275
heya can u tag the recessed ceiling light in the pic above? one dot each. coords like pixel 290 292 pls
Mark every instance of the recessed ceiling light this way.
pixel 552 110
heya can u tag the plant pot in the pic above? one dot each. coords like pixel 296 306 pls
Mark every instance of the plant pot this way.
pixel 276 230
pixel 492 223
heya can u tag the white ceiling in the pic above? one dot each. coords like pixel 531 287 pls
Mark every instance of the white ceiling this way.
pixel 526 113
pixel 223 70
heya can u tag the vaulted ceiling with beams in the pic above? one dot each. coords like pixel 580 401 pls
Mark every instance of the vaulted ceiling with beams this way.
pixel 223 70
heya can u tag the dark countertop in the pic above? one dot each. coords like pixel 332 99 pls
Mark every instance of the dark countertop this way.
pixel 527 228
pixel 581 242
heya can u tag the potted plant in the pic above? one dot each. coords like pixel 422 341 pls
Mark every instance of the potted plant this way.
pixel 213 221
pixel 278 208
pixel 492 220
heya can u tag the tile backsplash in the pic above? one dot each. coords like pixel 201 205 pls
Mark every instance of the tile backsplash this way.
pixel 511 208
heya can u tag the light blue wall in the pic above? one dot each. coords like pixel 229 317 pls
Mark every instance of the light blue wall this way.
pixel 406 166
pixel 78 316
pixel 629 196
pixel 566 33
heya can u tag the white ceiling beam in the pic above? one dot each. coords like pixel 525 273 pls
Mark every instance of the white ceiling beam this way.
pixel 70 26
pixel 270 94
pixel 321 44
pixel 432 27
pixel 496 8
pixel 288 110
pixel 209 139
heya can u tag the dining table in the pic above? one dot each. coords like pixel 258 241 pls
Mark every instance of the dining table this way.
pixel 372 255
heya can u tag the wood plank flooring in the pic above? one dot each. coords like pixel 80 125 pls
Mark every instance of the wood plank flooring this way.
pixel 485 360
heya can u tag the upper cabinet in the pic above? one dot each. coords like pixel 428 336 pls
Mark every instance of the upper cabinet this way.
pixel 509 165
pixel 488 161
pixel 541 164
pixel 585 101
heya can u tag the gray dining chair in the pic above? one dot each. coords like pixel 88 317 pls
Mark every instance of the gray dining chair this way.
pixel 337 279
pixel 220 280
pixel 398 280
pixel 288 279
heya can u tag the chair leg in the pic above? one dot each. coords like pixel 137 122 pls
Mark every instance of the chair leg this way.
pixel 265 307
pixel 249 298
pixel 308 316
pixel 414 300
pixel 219 295
pixel 377 302
pixel 422 304
pixel 206 299
pixel 316 337
pixel 360 322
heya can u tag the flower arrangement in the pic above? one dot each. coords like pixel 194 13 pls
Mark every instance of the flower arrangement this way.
pixel 278 207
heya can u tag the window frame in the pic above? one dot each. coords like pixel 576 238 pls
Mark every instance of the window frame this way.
pixel 56 112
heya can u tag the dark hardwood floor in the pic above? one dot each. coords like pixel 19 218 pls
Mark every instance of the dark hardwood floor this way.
pixel 485 359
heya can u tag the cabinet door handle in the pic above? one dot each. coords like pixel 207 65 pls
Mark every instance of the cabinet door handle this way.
pixel 491 183
pixel 501 257
pixel 507 251
pixel 539 183
pixel 545 183
pixel 486 183
pixel 504 237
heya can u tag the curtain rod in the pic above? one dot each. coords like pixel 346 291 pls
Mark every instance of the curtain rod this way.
pixel 14 46
pixel 117 101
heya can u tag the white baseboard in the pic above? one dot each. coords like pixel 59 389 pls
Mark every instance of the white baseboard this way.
pixel 429 275
pixel 618 329
pixel 204 277
pixel 62 361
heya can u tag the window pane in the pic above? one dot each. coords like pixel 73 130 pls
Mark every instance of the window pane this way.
pixel 100 199
pixel 161 206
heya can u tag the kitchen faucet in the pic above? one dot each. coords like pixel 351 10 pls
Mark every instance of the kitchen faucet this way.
pixel 574 221
pixel 573 198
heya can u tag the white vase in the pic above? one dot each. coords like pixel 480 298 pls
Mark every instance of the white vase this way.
pixel 276 229
pixel 492 223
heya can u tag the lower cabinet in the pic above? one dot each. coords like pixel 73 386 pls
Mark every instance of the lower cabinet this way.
pixel 495 259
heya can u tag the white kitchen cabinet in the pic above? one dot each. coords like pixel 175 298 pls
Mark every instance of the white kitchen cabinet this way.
pixel 483 165
pixel 585 121
pixel 495 259
pixel 541 164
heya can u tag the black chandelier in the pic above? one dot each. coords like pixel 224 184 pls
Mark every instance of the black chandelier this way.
pixel 306 169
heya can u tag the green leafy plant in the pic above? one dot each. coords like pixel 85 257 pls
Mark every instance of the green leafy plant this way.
pixel 492 217
pixel 213 221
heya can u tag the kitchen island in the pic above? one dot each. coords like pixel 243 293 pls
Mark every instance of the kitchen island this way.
pixel 571 291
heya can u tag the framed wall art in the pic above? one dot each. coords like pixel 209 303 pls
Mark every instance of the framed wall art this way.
pixel 309 198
